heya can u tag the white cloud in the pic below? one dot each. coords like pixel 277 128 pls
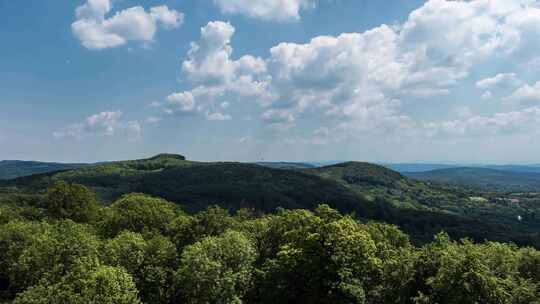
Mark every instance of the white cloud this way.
pixel 504 123
pixel 102 124
pixel 277 10
pixel 487 95
pixel 281 119
pixel 209 62
pixel 361 82
pixel 218 116
pixel 249 140
pixel 504 80
pixel 210 68
pixel 183 102
pixel 245 139
pixel 526 94
pixel 153 119
pixel 96 31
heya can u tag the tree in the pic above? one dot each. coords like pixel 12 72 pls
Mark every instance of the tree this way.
pixel 150 262
pixel 328 259
pixel 212 221
pixel 47 252
pixel 463 273
pixel 104 285
pixel 15 237
pixel 139 213
pixel 71 201
pixel 216 269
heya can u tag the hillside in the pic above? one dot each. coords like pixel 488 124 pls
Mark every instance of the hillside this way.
pixel 415 167
pixel 369 191
pixel 10 169
pixel 377 182
pixel 485 178
pixel 286 165
pixel 197 185
pixel 409 197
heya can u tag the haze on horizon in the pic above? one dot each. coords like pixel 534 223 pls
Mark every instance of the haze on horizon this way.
pixel 297 80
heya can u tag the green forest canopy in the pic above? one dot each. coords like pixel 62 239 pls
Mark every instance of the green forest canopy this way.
pixel 369 191
pixel 143 249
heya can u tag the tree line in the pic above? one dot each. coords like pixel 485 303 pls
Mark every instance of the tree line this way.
pixel 69 248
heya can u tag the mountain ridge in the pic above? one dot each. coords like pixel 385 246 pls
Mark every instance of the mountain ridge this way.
pixel 483 178
pixel 370 191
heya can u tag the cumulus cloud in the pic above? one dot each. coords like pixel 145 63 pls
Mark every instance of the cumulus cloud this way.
pixel 525 95
pixel 102 124
pixel 209 62
pixel 503 80
pixel 153 119
pixel 214 73
pixel 277 10
pixel 487 95
pixel 97 31
pixel 361 82
pixel 183 102
pixel 218 116
pixel 505 123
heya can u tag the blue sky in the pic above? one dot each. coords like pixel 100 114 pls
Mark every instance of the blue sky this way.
pixel 396 80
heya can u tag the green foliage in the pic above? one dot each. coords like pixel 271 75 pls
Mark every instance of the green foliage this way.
pixel 150 262
pixel 461 272
pixel 217 269
pixel 139 213
pixel 212 221
pixel 322 260
pixel 143 249
pixel 40 252
pixel 10 169
pixel 104 284
pixel 361 174
pixel 483 178
pixel 369 191
pixel 71 201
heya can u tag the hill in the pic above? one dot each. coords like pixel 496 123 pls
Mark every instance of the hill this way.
pixel 367 190
pixel 485 178
pixel 407 168
pixel 286 165
pixel 10 169
pixel 198 184
pixel 414 167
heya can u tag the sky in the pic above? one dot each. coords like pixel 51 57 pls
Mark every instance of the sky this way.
pixel 289 80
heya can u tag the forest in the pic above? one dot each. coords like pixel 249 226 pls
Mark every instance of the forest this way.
pixel 66 246
pixel 369 191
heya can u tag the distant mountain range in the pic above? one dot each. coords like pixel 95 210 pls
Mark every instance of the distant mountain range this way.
pixel 16 168
pixel 489 177
pixel 413 167
pixel 524 179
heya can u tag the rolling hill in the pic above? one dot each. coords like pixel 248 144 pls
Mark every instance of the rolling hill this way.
pixel 10 169
pixel 286 165
pixel 484 178
pixel 370 191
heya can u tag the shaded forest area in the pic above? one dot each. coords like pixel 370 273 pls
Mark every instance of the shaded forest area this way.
pixel 66 247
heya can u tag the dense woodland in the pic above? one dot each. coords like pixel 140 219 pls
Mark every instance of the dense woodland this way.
pixel 368 191
pixel 66 247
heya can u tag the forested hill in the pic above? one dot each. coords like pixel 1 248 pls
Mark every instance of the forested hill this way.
pixel 144 249
pixel 369 191
pixel 10 169
pixel 485 178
